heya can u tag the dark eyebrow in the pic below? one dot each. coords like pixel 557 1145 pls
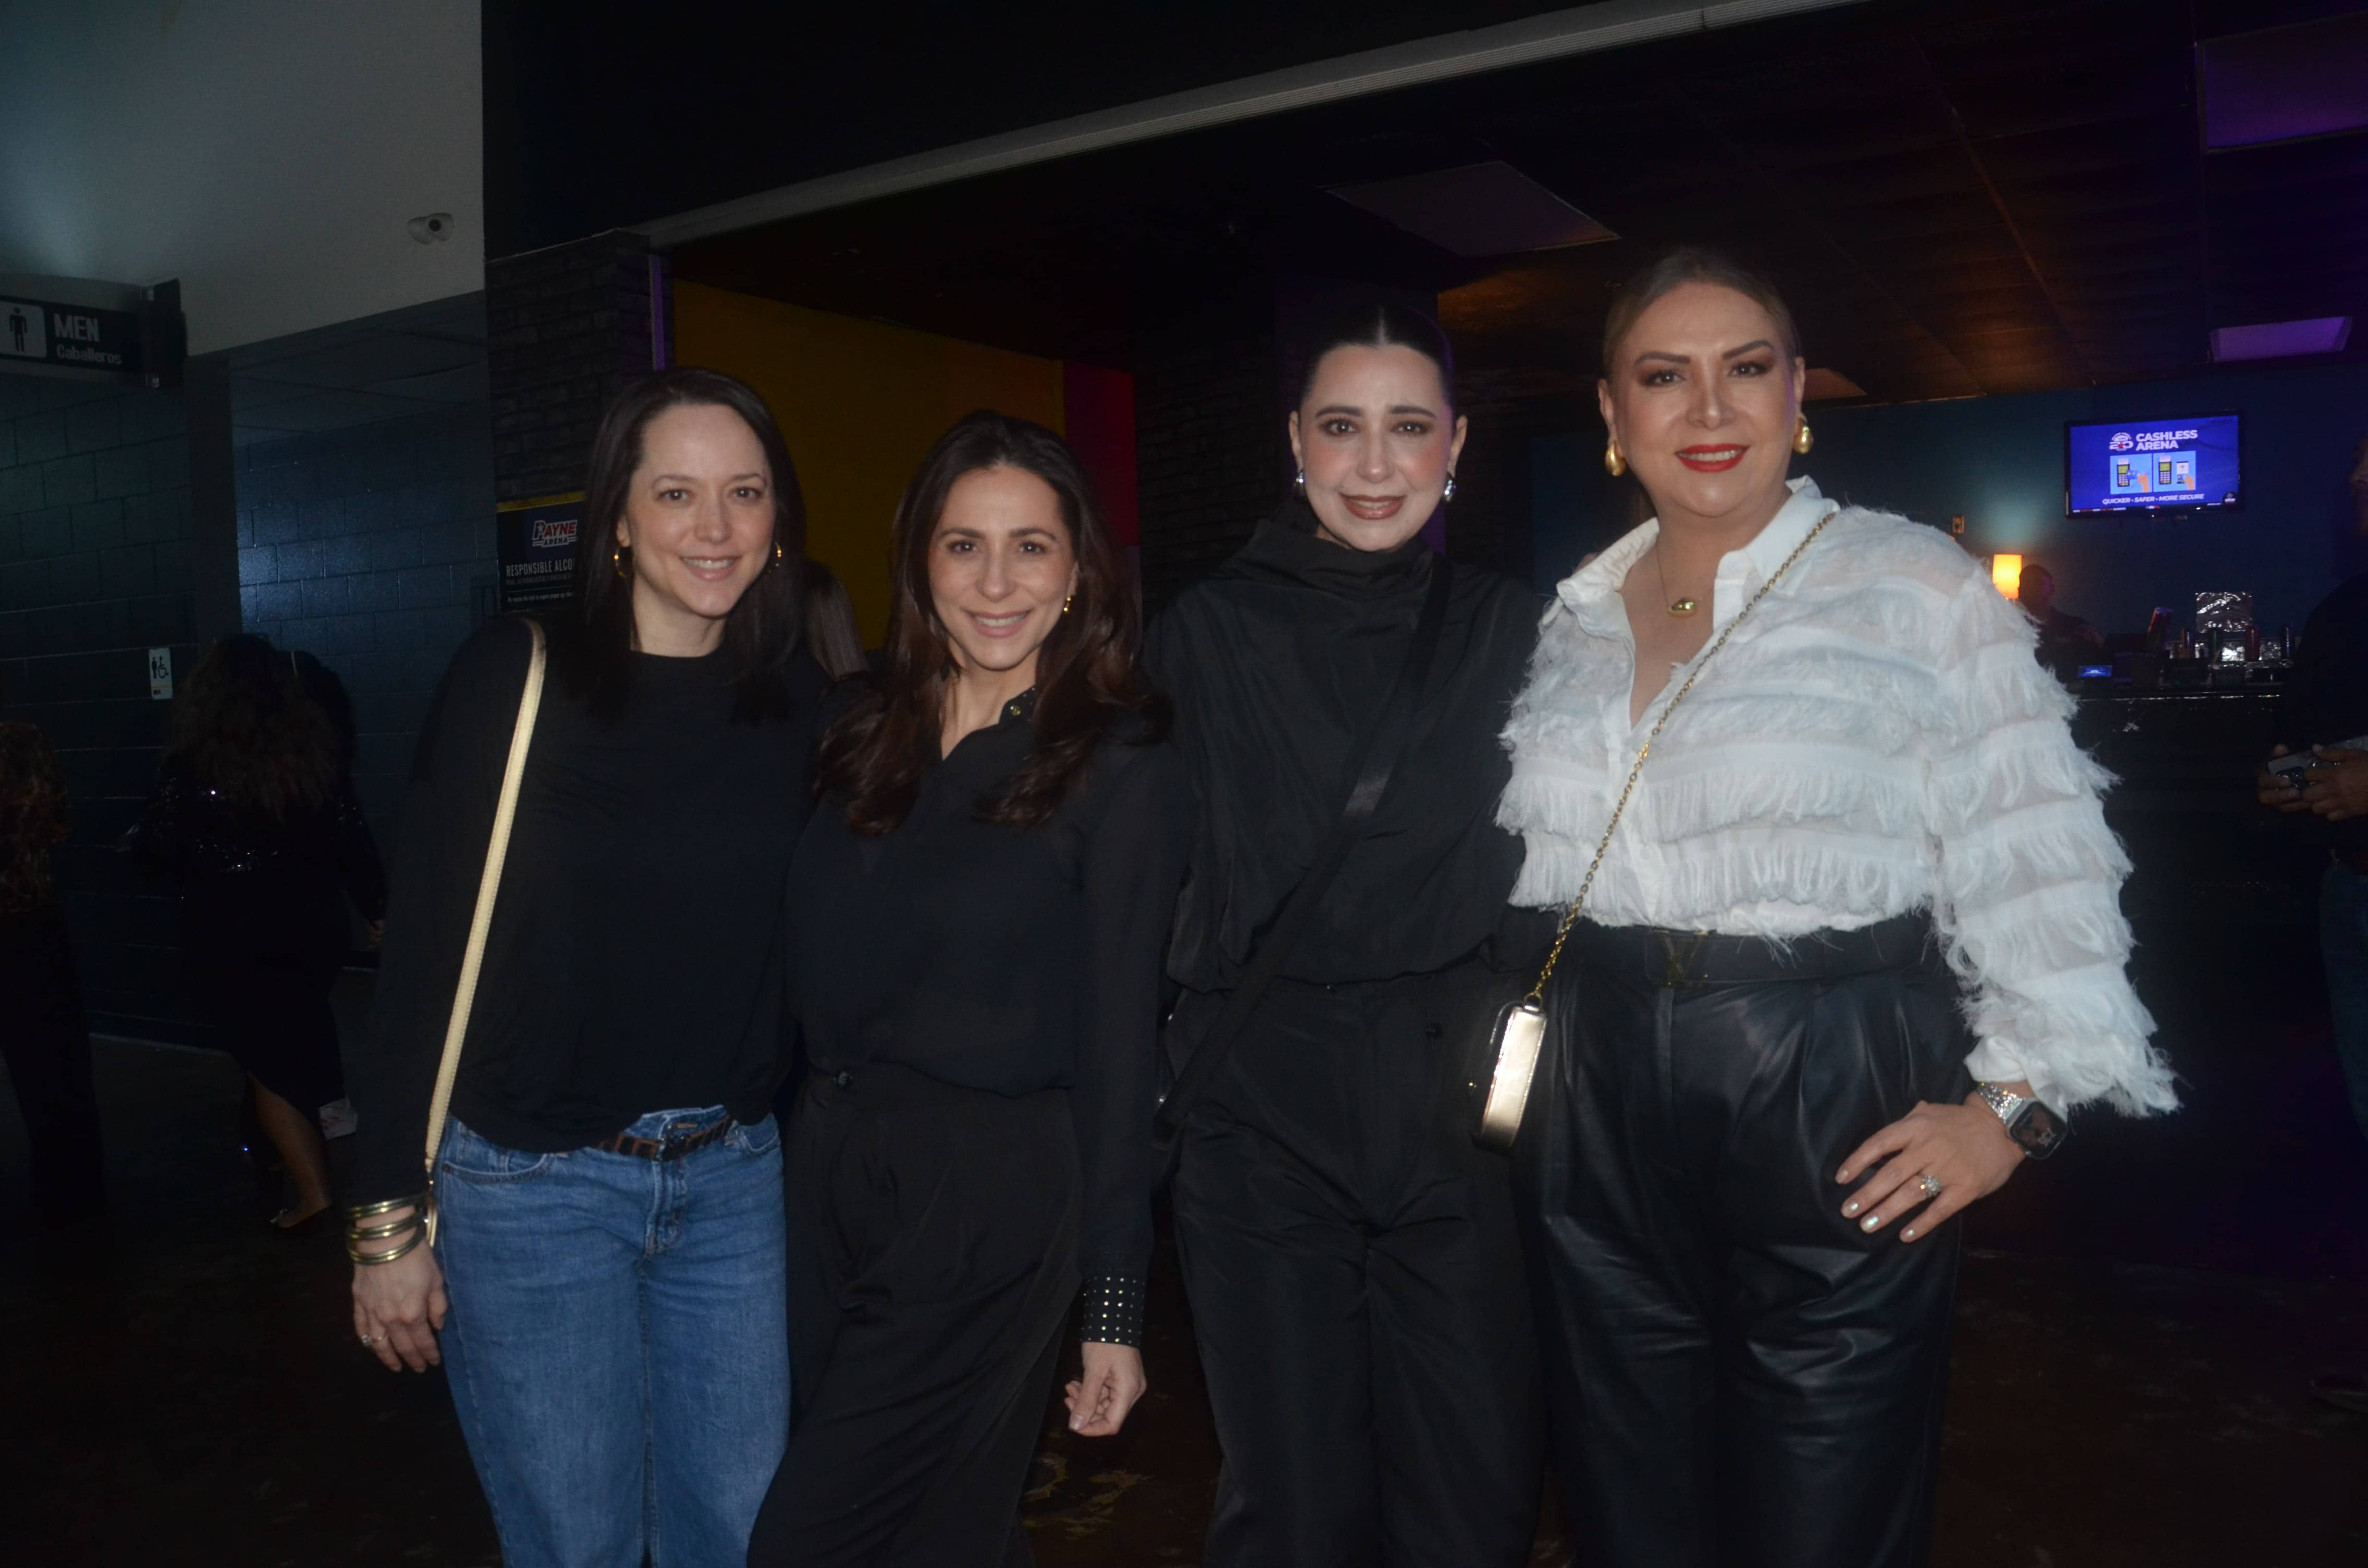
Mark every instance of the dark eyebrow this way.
pixel 693 479
pixel 1755 343
pixel 1411 408
pixel 1339 408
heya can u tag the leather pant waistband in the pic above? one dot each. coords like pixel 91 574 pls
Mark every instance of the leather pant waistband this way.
pixel 1680 960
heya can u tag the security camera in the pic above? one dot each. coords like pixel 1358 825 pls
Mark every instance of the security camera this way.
pixel 433 229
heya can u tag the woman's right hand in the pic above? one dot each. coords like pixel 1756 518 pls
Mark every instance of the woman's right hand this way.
pixel 399 1307
pixel 2280 794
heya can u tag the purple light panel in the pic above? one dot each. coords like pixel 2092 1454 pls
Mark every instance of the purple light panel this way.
pixel 2310 79
pixel 2282 339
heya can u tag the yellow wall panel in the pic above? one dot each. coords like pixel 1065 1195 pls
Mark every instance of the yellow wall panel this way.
pixel 860 404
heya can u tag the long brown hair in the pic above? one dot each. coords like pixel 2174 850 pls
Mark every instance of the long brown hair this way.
pixel 245 726
pixel 764 633
pixel 32 817
pixel 873 757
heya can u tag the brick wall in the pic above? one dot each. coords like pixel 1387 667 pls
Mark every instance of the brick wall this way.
pixel 96 569
pixel 371 548
pixel 565 327
pixel 1210 453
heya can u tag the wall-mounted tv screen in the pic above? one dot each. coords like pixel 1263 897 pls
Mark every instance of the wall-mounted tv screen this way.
pixel 2152 465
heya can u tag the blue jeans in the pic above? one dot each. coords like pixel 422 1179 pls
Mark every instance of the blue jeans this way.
pixel 618 1344
pixel 2343 948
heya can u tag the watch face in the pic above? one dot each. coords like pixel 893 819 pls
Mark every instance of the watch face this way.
pixel 2038 1130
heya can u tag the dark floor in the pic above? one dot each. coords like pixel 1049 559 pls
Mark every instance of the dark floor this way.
pixel 2137 1328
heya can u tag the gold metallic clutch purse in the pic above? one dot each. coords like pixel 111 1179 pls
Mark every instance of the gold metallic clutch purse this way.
pixel 1519 1040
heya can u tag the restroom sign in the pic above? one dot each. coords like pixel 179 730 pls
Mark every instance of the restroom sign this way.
pixel 77 337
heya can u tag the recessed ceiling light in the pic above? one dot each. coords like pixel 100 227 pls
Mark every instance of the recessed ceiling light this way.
pixel 1479 210
pixel 2282 339
pixel 1823 386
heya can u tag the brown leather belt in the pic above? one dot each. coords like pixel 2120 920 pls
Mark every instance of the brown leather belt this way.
pixel 664 1148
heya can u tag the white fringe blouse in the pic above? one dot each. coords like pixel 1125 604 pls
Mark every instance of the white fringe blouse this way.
pixel 1876 739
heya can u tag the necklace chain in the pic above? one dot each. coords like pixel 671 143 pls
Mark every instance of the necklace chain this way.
pixel 1676 606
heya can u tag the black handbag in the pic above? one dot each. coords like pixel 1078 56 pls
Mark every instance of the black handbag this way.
pixel 1375 760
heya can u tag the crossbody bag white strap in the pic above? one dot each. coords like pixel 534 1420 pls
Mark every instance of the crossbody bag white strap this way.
pixel 1520 1031
pixel 489 884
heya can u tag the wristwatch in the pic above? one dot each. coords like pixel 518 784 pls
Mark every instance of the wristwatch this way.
pixel 2030 1124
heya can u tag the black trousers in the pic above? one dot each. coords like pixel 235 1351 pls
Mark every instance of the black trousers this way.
pixel 1355 1277
pixel 932 1262
pixel 45 1038
pixel 1736 1374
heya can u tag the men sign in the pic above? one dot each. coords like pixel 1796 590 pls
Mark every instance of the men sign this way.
pixel 76 336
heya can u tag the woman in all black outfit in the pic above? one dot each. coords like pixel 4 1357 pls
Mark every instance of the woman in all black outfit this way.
pixel 255 812
pixel 1354 1273
pixel 976 920
pixel 610 1181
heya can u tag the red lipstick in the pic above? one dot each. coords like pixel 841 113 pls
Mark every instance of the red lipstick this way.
pixel 1712 459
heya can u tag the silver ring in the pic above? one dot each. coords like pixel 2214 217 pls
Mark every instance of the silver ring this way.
pixel 1931 1183
pixel 369 1339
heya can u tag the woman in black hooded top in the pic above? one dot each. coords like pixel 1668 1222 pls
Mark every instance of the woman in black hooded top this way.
pixel 1351 1254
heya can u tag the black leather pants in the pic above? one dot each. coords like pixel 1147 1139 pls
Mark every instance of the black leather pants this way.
pixel 1735 1374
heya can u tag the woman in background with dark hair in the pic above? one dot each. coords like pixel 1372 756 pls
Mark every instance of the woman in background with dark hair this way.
pixel 44 1035
pixel 976 919
pixel 1355 1276
pixel 255 812
pixel 607 1275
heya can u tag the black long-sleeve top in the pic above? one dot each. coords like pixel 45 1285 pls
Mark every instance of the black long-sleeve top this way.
pixel 635 960
pixel 1010 961
pixel 1278 662
pixel 2326 700
pixel 256 884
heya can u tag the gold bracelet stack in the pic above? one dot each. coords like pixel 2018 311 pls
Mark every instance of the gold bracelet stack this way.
pixel 358 1230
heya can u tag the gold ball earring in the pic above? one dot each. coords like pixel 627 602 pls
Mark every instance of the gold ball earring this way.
pixel 1066 600
pixel 618 563
pixel 1802 439
pixel 1613 463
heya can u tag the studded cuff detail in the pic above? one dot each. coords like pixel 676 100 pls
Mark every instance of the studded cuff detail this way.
pixel 1113 1311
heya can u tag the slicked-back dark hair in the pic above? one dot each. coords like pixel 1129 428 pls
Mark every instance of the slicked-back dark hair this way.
pixel 1676 267
pixel 763 634
pixel 1376 321
pixel 1086 680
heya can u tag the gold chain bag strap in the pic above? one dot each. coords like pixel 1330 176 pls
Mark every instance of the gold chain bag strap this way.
pixel 1519 1037
pixel 489 884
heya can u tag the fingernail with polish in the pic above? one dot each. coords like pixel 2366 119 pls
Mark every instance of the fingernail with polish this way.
pixel 1907 1235
pixel 1851 1207
pixel 1870 1222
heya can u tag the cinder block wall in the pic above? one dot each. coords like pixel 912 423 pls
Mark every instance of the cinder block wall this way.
pixel 372 549
pixel 95 570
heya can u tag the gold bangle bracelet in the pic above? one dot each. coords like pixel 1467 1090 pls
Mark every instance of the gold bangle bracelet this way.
pixel 373 1258
pixel 381 1232
pixel 387 1207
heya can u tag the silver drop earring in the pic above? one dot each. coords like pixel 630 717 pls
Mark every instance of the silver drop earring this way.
pixel 1448 493
pixel 1302 479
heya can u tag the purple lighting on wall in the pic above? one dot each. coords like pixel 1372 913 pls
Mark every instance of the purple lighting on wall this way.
pixel 2282 339
pixel 2310 79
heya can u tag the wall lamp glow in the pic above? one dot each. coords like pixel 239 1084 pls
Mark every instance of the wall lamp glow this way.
pixel 2006 571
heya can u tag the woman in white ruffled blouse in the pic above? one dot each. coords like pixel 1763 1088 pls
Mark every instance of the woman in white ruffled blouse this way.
pixel 1852 953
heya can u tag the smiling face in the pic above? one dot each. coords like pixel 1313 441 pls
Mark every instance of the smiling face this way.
pixel 1377 439
pixel 1001 564
pixel 698 523
pixel 1704 400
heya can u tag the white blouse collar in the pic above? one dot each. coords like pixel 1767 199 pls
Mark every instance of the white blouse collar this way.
pixel 1592 593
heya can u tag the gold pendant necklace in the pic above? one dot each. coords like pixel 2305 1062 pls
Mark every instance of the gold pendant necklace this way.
pixel 1676 606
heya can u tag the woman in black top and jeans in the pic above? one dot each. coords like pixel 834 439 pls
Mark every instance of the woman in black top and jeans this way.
pixel 609 1183
pixel 1350 1254
pixel 976 918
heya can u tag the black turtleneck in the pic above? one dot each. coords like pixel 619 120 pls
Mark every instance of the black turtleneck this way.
pixel 1277 663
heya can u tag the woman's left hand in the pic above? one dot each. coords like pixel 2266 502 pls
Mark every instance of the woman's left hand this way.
pixel 1964 1148
pixel 1113 1381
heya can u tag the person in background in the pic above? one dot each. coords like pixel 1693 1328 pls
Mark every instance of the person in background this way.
pixel 254 812
pixel 44 1036
pixel 1851 950
pixel 2065 641
pixel 606 1289
pixel 2327 705
pixel 1351 1254
pixel 976 918
pixel 832 635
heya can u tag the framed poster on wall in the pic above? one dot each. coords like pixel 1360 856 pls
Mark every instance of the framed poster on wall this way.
pixel 535 540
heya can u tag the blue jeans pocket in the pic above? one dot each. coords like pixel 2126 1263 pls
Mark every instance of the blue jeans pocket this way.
pixel 760 1140
pixel 481 1161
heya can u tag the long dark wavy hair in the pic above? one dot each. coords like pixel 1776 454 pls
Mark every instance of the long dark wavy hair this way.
pixel 1086 680
pixel 33 817
pixel 245 726
pixel 764 633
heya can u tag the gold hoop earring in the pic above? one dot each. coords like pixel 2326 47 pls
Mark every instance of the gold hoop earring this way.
pixel 617 564
pixel 1613 463
pixel 779 557
pixel 1802 440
